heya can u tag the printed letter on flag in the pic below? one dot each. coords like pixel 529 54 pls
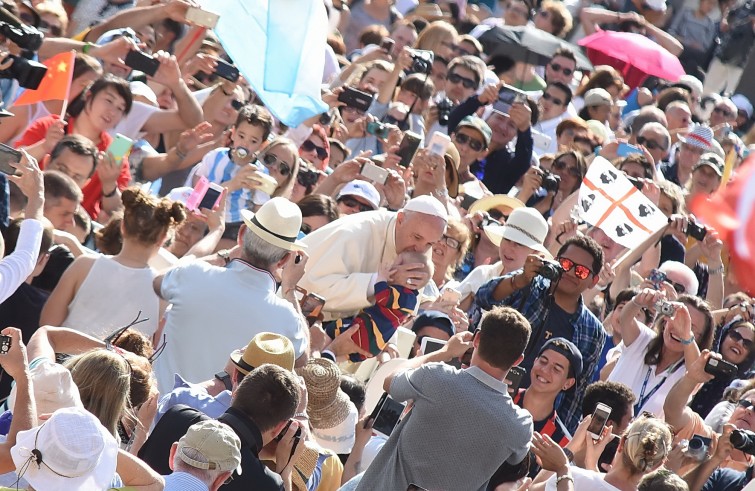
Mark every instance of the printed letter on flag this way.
pixel 610 202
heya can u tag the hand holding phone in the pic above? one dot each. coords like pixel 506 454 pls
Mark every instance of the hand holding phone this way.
pixel 120 147
pixel 599 420
pixel 142 62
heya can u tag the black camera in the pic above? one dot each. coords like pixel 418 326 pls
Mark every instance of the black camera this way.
pixel 307 177
pixel 445 106
pixel 5 342
pixel 422 61
pixel 25 37
pixel 551 182
pixel 550 270
pixel 743 440
pixel 696 231
pixel 28 73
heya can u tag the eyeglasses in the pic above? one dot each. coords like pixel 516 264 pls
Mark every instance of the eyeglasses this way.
pixel 472 143
pixel 554 100
pixel 270 160
pixel 308 146
pixel 350 202
pixel 738 338
pixel 559 68
pixel 450 242
pixel 723 112
pixel 468 83
pixel 237 104
pixel 746 404
pixel 650 144
pixel 580 271
pixel 561 165
pixel 349 109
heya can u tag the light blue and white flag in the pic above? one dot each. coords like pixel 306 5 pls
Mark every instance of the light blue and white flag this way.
pixel 279 47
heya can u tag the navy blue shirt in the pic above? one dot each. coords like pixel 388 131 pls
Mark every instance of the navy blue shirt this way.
pixel 727 480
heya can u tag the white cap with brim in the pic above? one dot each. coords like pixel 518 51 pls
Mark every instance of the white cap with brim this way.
pixel 427 205
pixel 277 222
pixel 362 189
pixel 525 226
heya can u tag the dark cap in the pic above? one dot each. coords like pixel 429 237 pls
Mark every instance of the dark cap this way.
pixel 569 350
pixel 434 318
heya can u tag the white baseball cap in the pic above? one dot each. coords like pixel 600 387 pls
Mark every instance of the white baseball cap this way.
pixel 362 189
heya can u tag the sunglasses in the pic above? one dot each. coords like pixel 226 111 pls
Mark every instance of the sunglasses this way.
pixel 650 144
pixel 468 83
pixel 580 271
pixel 746 404
pixel 308 146
pixel 554 100
pixel 558 68
pixel 305 228
pixel 237 104
pixel 738 338
pixel 349 109
pixel 560 165
pixel 723 112
pixel 450 242
pixel 350 202
pixel 472 143
pixel 270 160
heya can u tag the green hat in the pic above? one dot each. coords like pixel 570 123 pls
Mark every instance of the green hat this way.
pixel 478 124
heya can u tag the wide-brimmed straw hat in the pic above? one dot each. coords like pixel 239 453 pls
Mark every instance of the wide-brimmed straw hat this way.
pixel 327 405
pixel 265 347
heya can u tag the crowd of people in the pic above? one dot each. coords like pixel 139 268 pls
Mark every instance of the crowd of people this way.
pixel 404 292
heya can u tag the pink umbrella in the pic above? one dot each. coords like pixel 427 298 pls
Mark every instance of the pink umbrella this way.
pixel 634 55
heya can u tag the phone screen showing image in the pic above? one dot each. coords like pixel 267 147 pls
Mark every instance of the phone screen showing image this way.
pixel 388 417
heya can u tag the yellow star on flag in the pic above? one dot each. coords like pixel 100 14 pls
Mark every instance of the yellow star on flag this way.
pixel 62 66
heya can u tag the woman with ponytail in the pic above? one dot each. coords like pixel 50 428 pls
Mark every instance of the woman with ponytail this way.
pixel 96 295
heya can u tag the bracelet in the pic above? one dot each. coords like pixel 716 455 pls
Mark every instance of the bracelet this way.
pixel 181 155
pixel 565 477
pixel 85 49
pixel 687 342
pixel 111 193
pixel 718 270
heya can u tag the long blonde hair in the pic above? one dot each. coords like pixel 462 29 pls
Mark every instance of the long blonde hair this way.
pixel 284 188
pixel 434 35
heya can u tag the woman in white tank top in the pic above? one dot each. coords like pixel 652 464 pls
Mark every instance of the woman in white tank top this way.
pixel 96 295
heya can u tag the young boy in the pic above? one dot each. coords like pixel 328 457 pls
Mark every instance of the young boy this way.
pixel 234 167
pixel 393 304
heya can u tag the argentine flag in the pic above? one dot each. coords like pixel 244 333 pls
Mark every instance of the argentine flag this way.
pixel 279 47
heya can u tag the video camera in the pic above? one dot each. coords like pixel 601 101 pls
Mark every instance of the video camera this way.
pixel 28 73
pixel 743 440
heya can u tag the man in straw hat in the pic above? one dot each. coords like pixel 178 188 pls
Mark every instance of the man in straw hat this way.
pixel 431 429
pixel 204 458
pixel 216 309
pixel 347 254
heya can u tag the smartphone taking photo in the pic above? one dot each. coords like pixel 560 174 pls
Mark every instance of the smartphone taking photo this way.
pixel 386 415
pixel 599 420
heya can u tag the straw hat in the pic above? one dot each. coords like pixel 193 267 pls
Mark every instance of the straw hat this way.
pixel 327 405
pixel 277 222
pixel 429 11
pixel 265 347
pixel 495 201
pixel 71 450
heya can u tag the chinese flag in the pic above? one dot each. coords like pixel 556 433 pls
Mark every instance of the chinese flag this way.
pixel 57 81
pixel 731 211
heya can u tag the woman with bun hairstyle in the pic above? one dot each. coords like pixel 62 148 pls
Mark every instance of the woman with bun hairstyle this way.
pixel 97 295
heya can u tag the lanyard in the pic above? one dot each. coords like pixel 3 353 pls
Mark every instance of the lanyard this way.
pixel 643 398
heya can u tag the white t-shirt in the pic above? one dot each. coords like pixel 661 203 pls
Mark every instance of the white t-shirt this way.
pixel 584 480
pixel 131 124
pixel 632 371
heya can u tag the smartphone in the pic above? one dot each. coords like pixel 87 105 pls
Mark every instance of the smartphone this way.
pixel 439 143
pixel 142 62
pixel 312 304
pixel 268 184
pixel 356 98
pixel 202 17
pixel 599 420
pixel 540 140
pixel 387 44
pixel 120 147
pixel 226 70
pixel 450 295
pixel 431 345
pixel 408 148
pixel 374 173
pixel 719 367
pixel 516 373
pixel 625 149
pixel 9 155
pixel 206 195
pixel 696 231
pixel 386 415
pixel 657 277
pixel 508 96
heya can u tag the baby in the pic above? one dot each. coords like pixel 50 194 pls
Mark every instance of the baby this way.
pixel 393 304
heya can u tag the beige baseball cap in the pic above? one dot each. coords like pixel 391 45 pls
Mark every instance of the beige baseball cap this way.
pixel 216 443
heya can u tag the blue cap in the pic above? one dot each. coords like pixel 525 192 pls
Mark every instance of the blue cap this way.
pixel 569 350
pixel 434 318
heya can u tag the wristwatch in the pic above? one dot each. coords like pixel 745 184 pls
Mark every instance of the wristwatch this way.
pixel 225 378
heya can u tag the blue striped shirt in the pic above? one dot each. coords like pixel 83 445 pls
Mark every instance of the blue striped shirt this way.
pixel 588 335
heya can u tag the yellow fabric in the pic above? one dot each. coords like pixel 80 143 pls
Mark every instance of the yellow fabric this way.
pixel 82 35
pixel 332 470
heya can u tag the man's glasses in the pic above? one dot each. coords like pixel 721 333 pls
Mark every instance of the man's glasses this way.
pixel 559 68
pixel 573 171
pixel 580 271
pixel 738 338
pixel 270 160
pixel 554 100
pixel 450 242
pixel 749 405
pixel 350 202
pixel 308 146
pixel 472 143
pixel 650 144
pixel 468 83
